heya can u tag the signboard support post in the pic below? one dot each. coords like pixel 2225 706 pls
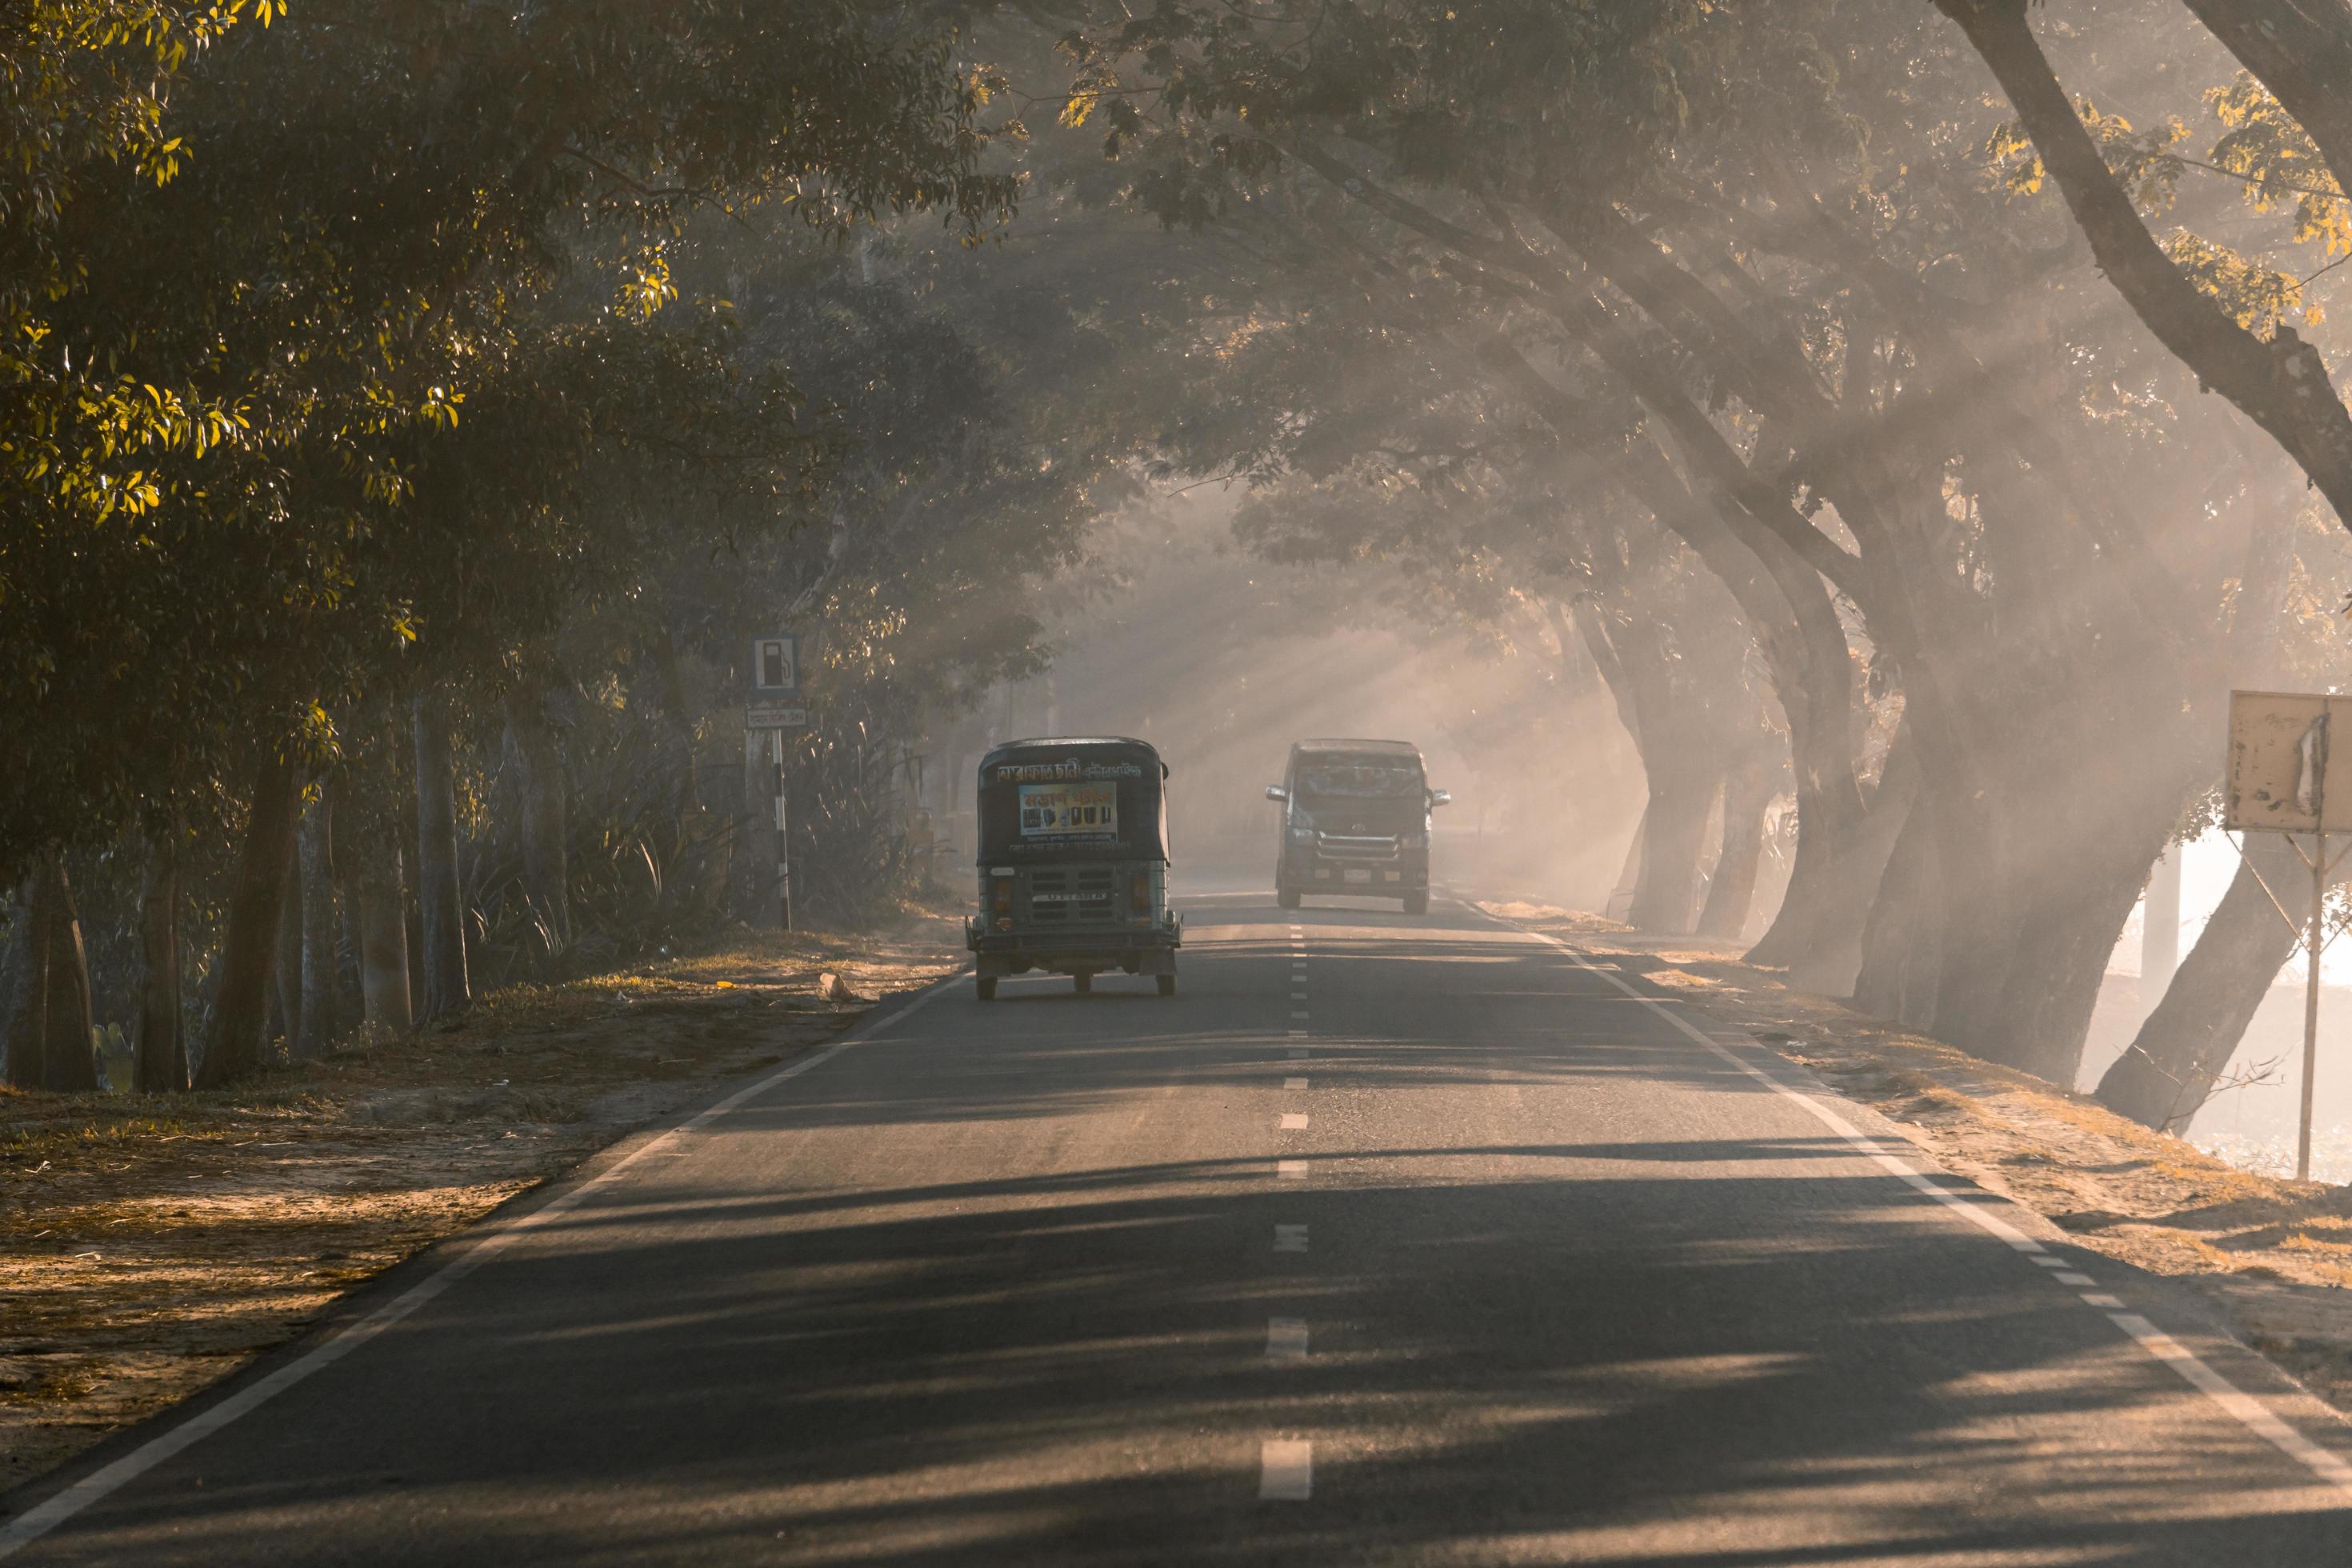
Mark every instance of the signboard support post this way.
pixel 774 705
pixel 784 835
pixel 2314 762
pixel 2311 1000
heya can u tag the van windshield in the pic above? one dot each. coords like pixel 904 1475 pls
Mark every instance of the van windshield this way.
pixel 1358 775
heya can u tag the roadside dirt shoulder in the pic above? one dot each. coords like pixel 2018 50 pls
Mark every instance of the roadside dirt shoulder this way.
pixel 152 1244
pixel 2275 1256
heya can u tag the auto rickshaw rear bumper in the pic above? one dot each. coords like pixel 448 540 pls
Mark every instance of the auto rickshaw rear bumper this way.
pixel 1143 950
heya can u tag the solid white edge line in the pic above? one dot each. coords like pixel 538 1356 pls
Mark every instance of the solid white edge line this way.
pixel 482 1244
pixel 2193 1370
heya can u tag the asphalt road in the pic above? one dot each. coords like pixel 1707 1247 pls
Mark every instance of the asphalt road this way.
pixel 1388 1240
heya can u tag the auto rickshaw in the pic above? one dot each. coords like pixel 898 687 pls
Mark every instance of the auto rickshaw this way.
pixel 1072 864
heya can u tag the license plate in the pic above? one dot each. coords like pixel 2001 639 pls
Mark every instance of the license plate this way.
pixel 1359 876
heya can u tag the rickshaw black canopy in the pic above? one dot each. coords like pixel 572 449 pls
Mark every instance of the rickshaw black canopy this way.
pixel 1086 798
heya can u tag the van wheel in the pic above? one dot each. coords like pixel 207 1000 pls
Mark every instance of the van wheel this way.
pixel 986 986
pixel 1081 984
pixel 1416 904
pixel 1286 896
pixel 1167 985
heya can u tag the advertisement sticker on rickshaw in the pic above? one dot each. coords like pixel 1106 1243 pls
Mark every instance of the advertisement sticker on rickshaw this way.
pixel 1069 810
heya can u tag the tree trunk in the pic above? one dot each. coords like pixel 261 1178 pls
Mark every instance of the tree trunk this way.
pixel 546 874
pixel 233 1047
pixel 2301 51
pixel 2059 965
pixel 1902 941
pixel 1832 962
pixel 71 1054
pixel 163 1065
pixel 2159 936
pixel 383 941
pixel 2186 1044
pixel 319 966
pixel 1619 906
pixel 286 971
pixel 677 727
pixel 446 990
pixel 1674 837
pixel 1731 895
pixel 24 991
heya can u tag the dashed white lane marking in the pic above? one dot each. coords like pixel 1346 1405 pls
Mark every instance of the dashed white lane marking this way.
pixel 2109 1301
pixel 1298 1015
pixel 1295 1034
pixel 1290 1238
pixel 1290 1170
pixel 2071 1279
pixel 2191 1369
pixel 484 1245
pixel 1286 1339
pixel 2251 1412
pixel 1286 1470
pixel 1298 997
pixel 2049 1262
pixel 1294 1122
pixel 1294 1083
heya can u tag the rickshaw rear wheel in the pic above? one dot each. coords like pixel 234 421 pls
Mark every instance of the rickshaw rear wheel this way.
pixel 1167 985
pixel 1082 983
pixel 986 986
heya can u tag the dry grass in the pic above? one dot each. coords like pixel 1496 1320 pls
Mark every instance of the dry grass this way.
pixel 2277 1254
pixel 150 1244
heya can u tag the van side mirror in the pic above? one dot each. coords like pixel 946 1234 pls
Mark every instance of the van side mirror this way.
pixel 1441 797
pixel 1276 791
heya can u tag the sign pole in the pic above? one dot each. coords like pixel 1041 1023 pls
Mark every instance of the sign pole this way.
pixel 783 837
pixel 2310 1002
pixel 774 705
pixel 2311 940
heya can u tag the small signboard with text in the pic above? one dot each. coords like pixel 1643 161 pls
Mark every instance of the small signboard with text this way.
pixel 766 713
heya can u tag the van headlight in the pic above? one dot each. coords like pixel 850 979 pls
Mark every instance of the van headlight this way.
pixel 1302 835
pixel 1414 840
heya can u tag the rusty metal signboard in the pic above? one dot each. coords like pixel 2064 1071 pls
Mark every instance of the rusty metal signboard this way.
pixel 2279 778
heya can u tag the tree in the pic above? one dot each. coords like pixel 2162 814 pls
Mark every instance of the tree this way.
pixel 1767 294
pixel 2279 381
